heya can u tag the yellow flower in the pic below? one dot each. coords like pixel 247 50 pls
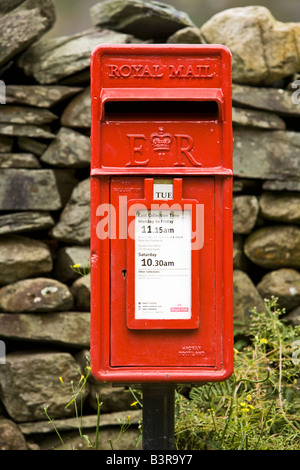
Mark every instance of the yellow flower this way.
pixel 76 265
pixel 246 406
pixel 263 341
pixel 134 403
pixel 245 410
pixel 61 380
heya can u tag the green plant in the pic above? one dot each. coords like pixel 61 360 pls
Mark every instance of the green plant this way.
pixel 77 392
pixel 258 408
pixel 80 269
pixel 77 400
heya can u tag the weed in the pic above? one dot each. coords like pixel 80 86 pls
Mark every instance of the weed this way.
pixel 258 408
pixel 77 393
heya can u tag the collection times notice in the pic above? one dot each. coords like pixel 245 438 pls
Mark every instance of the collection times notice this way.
pixel 162 264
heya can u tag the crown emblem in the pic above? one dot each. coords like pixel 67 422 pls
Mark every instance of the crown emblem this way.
pixel 161 141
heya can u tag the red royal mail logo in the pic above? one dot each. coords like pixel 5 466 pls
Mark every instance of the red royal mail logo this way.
pixel 161 142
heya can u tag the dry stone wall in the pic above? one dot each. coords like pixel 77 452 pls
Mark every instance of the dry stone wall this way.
pixel 44 193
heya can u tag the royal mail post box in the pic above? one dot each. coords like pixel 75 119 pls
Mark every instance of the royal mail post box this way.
pixel 161 213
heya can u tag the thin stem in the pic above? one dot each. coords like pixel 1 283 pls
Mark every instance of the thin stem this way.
pixel 98 422
pixel 54 427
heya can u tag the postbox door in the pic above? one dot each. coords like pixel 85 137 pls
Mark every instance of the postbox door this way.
pixel 155 346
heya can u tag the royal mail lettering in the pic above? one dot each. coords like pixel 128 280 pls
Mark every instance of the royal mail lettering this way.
pixel 190 71
pixel 197 71
pixel 135 71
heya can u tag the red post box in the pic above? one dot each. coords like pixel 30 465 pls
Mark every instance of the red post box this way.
pixel 161 214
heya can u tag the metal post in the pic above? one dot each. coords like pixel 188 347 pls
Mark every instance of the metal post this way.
pixel 158 417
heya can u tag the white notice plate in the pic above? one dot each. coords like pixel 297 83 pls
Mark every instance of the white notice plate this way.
pixel 162 264
pixel 162 189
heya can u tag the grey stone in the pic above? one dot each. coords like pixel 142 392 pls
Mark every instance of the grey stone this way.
pixel 26 115
pixel 27 130
pixel 31 145
pixel 286 185
pixel 22 257
pixel 81 78
pixel 39 95
pixel 273 100
pixel 67 257
pixel 18 160
pixel 188 35
pixel 245 298
pixel 109 436
pixel 255 118
pixel 74 223
pixel 263 50
pixel 274 247
pixel 284 284
pixel 36 295
pixel 138 17
pixel 22 189
pixel 114 398
pixel 51 60
pixel 241 185
pixel 11 438
pixel 66 181
pixel 6 144
pixel 30 221
pixel 9 5
pixel 70 149
pixel 30 382
pixel 23 25
pixel 81 290
pixel 280 206
pixel 78 111
pixel 293 317
pixel 68 329
pixel 88 422
pixel 245 212
pixel 238 254
pixel 266 154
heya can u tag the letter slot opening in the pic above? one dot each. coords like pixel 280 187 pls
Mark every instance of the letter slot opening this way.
pixel 161 110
